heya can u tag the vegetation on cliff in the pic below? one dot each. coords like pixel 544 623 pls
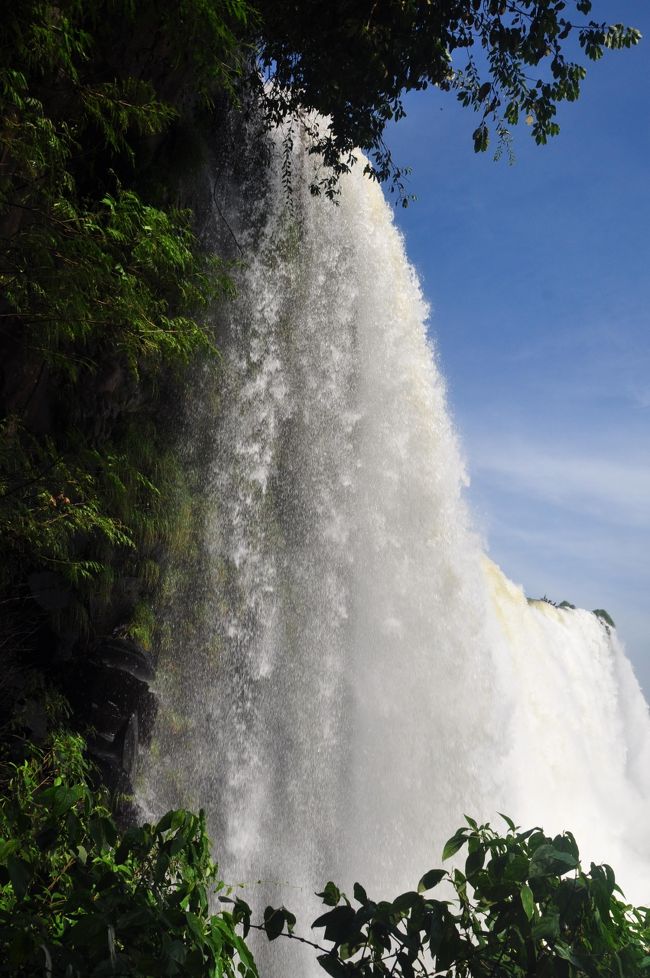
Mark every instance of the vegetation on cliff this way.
pixel 103 291
pixel 80 898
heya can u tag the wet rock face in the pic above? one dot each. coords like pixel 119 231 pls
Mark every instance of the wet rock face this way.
pixel 126 656
pixel 111 694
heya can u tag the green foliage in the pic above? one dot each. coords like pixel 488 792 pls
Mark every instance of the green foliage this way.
pixel 210 33
pixel 80 898
pixel 352 63
pixel 88 283
pixel 86 275
pixel 605 617
pixel 86 516
pixel 47 507
pixel 522 906
pixel 104 288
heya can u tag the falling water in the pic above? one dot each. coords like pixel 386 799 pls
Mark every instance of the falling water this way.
pixel 358 675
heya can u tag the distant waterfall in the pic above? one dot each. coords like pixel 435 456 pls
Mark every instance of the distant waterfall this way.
pixel 359 675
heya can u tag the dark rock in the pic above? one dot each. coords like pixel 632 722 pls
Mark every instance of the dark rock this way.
pixel 49 590
pixel 127 656
pixel 147 713
pixel 90 685
pixel 109 691
pixel 34 717
pixel 111 774
pixel 106 718
pixel 103 749
pixel 119 751
pixel 121 688
pixel 126 744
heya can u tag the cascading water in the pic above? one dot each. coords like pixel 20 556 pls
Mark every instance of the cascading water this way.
pixel 359 676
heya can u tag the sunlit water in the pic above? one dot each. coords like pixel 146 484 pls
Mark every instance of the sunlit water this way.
pixel 370 675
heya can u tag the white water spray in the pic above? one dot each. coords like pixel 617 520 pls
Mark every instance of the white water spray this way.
pixel 369 676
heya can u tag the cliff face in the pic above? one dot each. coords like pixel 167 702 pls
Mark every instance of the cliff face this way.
pixel 103 312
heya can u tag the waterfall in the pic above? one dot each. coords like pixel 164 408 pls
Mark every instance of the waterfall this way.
pixel 357 675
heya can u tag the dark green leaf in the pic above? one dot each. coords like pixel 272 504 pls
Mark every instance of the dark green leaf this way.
pixel 89 930
pixel 330 895
pixel 547 928
pixel 359 893
pixel 474 861
pixel 567 954
pixel 436 928
pixel 405 901
pixel 7 848
pixel 431 879
pixel 549 861
pixel 456 842
pixel 527 900
pixel 339 924
pixel 273 922
pixel 20 873
pixel 511 825
pixel 331 964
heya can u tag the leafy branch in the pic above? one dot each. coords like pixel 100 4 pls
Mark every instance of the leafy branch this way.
pixel 522 906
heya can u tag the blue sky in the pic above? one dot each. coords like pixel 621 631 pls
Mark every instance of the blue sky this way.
pixel 538 275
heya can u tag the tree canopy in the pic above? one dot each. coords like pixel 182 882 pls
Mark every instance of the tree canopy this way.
pixel 353 60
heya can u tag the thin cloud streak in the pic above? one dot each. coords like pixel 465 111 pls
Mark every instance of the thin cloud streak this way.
pixel 578 545
pixel 615 491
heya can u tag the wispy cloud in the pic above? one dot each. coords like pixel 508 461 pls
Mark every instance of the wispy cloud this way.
pixel 579 544
pixel 612 490
pixel 640 395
